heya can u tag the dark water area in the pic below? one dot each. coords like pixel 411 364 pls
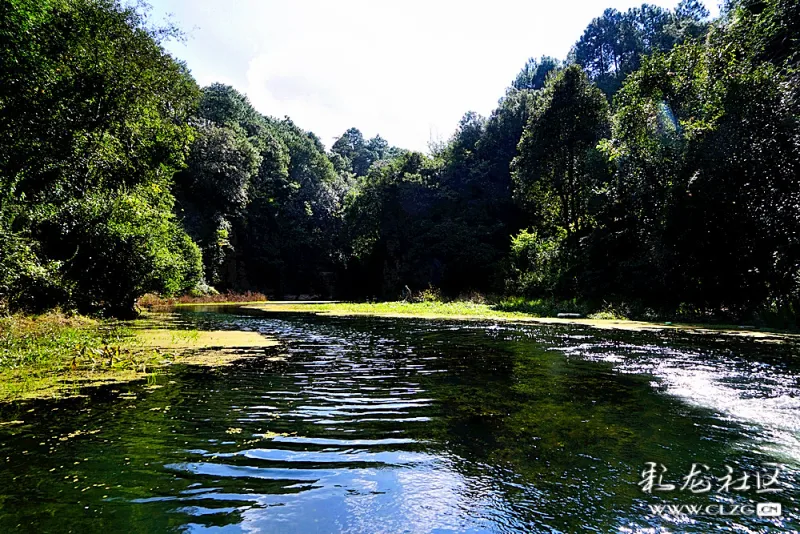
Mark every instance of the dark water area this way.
pixel 402 425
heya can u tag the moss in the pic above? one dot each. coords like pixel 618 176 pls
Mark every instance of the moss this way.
pixel 56 383
pixel 214 348
pixel 57 355
pixel 168 339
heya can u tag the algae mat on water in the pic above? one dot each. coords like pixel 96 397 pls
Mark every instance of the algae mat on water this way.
pixel 168 339
pixel 49 356
pixel 212 348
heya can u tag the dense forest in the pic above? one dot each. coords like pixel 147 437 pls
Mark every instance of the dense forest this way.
pixel 655 167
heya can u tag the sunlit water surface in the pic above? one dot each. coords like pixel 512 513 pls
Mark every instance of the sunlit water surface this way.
pixel 387 425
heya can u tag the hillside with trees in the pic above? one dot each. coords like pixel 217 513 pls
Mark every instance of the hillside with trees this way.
pixel 655 168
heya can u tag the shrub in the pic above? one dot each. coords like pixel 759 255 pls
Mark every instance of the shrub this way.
pixel 431 294
pixel 125 247
pixel 26 282
pixel 536 265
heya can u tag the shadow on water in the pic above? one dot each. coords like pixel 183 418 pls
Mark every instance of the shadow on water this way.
pixel 379 425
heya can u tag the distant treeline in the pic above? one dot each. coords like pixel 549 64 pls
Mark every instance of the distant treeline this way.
pixel 657 165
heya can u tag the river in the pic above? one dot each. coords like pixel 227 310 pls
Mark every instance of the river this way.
pixel 400 425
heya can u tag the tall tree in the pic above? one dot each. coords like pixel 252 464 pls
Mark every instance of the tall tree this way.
pixel 350 146
pixel 706 151
pixel 535 72
pixel 559 165
pixel 613 44
pixel 214 189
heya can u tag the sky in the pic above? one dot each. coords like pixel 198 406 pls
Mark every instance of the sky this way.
pixel 407 70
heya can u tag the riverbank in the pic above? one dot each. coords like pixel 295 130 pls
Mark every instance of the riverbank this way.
pixel 151 301
pixel 465 310
pixel 57 354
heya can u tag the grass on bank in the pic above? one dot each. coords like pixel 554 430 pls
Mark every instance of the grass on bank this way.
pixel 478 308
pixel 42 354
pixel 430 303
pixel 56 354
pixel 435 309
pixel 517 309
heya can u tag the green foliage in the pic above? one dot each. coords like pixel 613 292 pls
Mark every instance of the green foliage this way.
pixel 215 186
pixel 261 198
pixel 682 196
pixel 386 226
pixel 535 72
pixel 351 154
pixel 293 228
pixel 226 107
pixel 25 280
pixel 51 340
pixel 705 191
pixel 93 124
pixel 446 222
pixel 220 166
pixel 613 44
pixel 536 263
pixel 429 294
pixel 542 307
pixel 92 100
pixel 559 167
pixel 124 247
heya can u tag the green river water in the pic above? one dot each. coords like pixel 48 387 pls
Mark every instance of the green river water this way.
pixel 403 425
